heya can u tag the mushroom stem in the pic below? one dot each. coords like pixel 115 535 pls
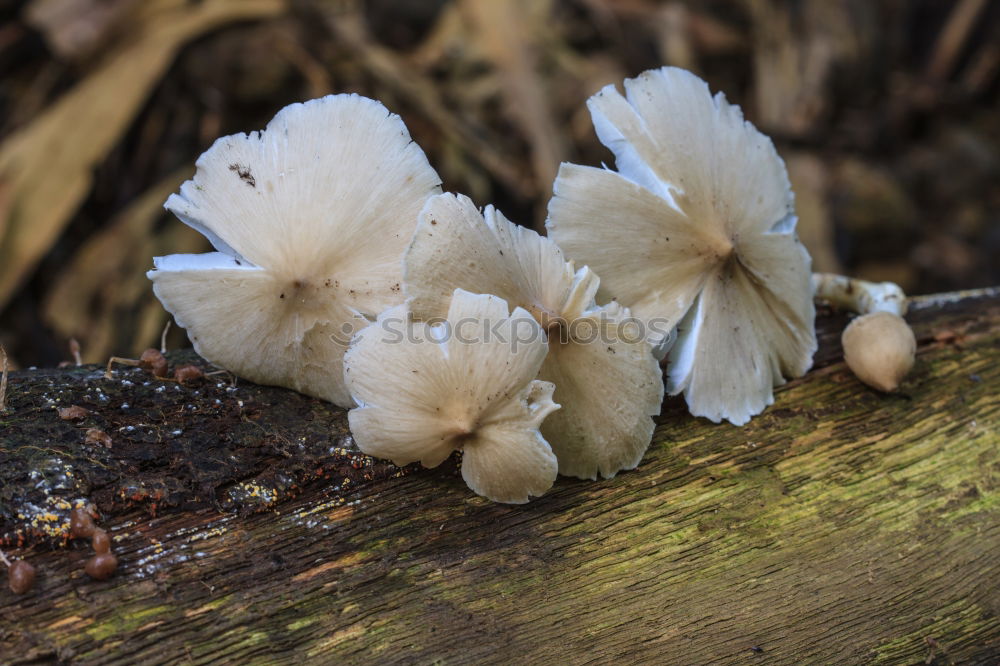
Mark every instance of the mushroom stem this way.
pixel 857 295
pixel 3 558
pixel 549 321
pixel 163 337
pixel 120 361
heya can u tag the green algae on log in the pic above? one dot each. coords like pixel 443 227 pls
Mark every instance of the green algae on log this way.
pixel 840 526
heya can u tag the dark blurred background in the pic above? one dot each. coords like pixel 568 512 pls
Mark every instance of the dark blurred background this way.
pixel 884 110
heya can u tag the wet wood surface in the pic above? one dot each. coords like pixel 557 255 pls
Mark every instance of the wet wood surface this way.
pixel 840 526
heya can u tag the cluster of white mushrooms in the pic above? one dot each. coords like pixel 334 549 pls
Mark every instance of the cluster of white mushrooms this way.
pixel 344 273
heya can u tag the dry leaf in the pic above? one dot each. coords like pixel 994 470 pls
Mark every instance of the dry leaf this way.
pixel 504 31
pixel 479 141
pixel 105 282
pixel 48 165
pixel 74 28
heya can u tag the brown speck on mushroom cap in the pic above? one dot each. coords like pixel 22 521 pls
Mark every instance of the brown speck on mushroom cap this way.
pixel 244 174
pixel 310 218
pixel 422 397
pixel 697 230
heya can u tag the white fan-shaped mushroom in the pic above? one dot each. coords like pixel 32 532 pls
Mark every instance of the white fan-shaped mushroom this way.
pixel 696 229
pixel 425 391
pixel 310 218
pixel 607 381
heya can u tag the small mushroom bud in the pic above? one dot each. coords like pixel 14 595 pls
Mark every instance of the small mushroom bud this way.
pixel 81 524
pixel 879 345
pixel 20 577
pixel 101 566
pixel 188 373
pixel 154 361
pixel 879 348
pixel 101 541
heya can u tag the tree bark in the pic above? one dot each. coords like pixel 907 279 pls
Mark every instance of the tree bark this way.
pixel 840 526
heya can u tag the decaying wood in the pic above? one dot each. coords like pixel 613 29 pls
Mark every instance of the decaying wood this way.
pixel 841 526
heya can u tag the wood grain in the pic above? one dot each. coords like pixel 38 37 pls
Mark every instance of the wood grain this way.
pixel 841 526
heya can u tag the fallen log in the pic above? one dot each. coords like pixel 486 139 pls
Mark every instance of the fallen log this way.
pixel 840 526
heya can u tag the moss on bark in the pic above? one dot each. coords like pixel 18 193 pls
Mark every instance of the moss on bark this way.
pixel 841 526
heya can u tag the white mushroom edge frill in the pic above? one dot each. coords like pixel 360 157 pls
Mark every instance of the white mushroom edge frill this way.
pixel 606 378
pixel 467 384
pixel 310 218
pixel 695 230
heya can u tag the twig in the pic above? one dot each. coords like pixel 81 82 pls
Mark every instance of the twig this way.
pixel 952 38
pixel 504 35
pixel 3 381
pixel 927 301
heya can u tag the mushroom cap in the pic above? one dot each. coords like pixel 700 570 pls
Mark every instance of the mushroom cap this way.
pixel 467 383
pixel 610 387
pixel 310 218
pixel 695 230
pixel 457 247
pixel 607 381
pixel 879 348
